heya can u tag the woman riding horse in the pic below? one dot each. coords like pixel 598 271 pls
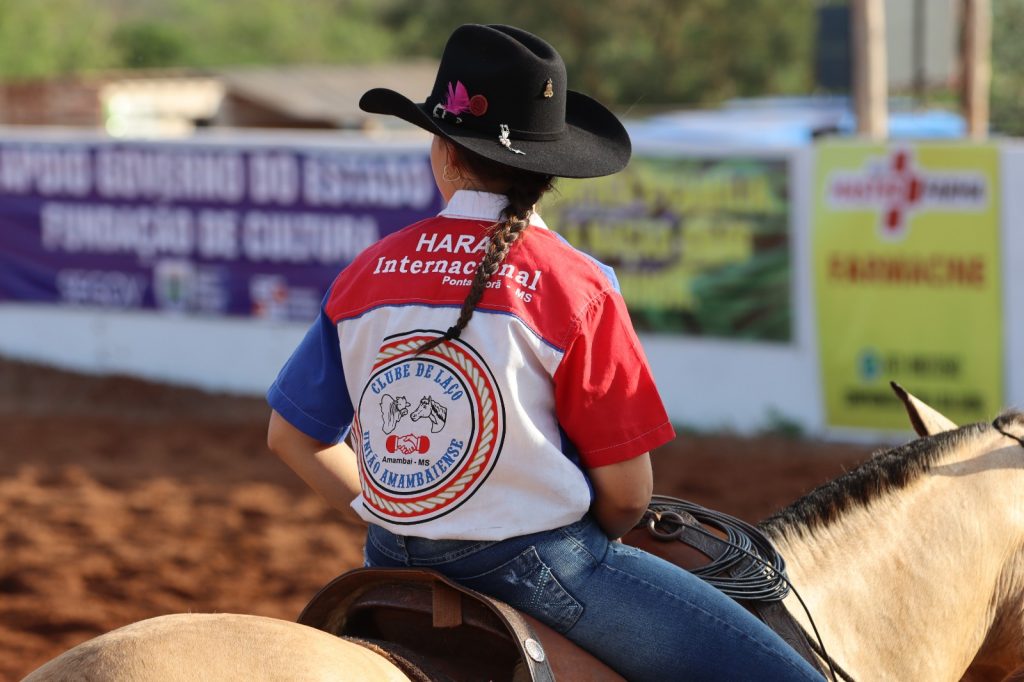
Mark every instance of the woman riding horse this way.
pixel 550 409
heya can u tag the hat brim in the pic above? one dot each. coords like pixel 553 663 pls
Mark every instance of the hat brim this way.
pixel 595 143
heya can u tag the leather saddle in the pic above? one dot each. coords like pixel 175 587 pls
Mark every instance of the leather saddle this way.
pixel 434 630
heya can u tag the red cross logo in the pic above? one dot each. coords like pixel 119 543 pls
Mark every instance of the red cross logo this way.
pixel 895 186
pixel 906 189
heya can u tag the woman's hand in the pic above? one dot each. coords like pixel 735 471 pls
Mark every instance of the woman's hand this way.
pixel 330 470
pixel 622 492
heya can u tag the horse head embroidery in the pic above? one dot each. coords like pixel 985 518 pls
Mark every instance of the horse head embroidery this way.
pixel 432 410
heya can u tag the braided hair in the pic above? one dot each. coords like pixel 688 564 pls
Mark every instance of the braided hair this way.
pixel 523 189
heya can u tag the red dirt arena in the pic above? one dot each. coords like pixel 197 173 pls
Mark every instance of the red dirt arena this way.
pixel 122 500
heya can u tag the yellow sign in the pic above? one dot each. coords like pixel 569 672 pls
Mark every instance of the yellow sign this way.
pixel 906 257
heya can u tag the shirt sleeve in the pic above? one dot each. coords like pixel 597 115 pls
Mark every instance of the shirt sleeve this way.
pixel 310 391
pixel 605 396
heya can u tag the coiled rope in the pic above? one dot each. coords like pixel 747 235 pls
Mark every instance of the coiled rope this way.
pixel 748 569
pixel 763 579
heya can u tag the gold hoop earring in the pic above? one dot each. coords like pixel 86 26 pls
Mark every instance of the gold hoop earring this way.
pixel 444 174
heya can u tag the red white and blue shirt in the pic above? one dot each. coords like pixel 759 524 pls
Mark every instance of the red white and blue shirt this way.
pixel 487 436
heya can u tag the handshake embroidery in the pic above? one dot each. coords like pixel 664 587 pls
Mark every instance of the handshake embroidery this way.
pixel 408 444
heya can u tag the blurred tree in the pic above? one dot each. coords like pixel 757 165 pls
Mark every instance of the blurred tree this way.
pixel 1007 112
pixel 645 51
pixel 282 32
pixel 149 44
pixel 40 38
pixel 53 37
pixel 633 52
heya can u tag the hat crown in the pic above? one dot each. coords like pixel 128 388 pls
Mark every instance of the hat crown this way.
pixel 520 77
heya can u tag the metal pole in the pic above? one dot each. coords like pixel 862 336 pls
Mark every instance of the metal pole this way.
pixel 870 82
pixel 977 65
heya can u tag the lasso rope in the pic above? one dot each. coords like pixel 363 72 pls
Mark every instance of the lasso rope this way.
pixel 750 568
pixel 763 579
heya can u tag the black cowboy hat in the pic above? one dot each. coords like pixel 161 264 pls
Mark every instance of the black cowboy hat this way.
pixel 501 93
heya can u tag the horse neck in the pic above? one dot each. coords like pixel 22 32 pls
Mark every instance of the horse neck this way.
pixel 914 584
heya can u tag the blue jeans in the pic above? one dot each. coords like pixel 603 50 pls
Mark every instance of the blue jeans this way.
pixel 644 617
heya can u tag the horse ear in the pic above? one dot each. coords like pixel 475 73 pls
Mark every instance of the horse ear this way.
pixel 1011 424
pixel 927 421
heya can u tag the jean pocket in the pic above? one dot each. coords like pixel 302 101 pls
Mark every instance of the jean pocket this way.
pixel 527 583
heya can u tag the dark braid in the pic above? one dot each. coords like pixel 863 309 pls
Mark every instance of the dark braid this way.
pixel 524 190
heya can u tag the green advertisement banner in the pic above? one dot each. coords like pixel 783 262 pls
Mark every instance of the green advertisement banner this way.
pixel 907 280
pixel 701 246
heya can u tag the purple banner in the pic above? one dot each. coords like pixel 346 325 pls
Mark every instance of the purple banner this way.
pixel 208 229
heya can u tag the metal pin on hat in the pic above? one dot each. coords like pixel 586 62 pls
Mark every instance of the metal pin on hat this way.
pixel 505 142
pixel 549 91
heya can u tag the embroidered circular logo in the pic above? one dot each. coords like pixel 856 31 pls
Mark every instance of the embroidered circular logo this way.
pixel 430 428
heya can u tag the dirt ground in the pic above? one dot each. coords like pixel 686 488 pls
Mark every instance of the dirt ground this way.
pixel 122 500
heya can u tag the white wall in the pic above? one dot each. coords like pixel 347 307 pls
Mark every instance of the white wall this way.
pixel 1012 156
pixel 218 354
pixel 705 384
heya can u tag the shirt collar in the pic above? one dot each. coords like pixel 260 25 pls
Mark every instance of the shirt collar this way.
pixel 474 205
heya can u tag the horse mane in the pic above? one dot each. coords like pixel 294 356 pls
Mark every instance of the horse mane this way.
pixel 886 471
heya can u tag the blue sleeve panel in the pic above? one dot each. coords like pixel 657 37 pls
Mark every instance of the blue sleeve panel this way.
pixel 310 391
pixel 608 271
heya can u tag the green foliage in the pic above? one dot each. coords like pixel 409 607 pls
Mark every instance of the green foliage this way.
pixel 641 52
pixel 148 44
pixel 631 52
pixel 42 38
pixel 634 52
pixel 1008 67
pixel 648 52
pixel 231 32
